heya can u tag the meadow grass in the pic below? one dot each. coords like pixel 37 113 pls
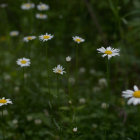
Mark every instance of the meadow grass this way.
pixel 78 98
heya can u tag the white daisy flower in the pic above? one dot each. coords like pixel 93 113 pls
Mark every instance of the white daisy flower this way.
pixel 104 105
pixel 14 33
pixel 75 129
pixel 134 96
pixel 82 70
pixel 59 69
pixel 27 6
pixel 41 16
pixel 108 52
pixel 68 58
pixel 43 7
pixel 4 101
pixel 23 62
pixel 28 38
pixel 78 39
pixel 102 82
pixel 3 5
pixel 46 37
pixel 38 121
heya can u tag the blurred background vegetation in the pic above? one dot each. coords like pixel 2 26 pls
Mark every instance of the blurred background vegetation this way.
pixel 36 114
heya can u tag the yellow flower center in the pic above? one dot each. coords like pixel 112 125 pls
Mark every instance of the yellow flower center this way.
pixel 41 15
pixel 42 6
pixel 59 71
pixel 28 5
pixel 108 52
pixel 46 36
pixel 78 40
pixel 3 101
pixel 14 33
pixel 29 38
pixel 136 94
pixel 23 61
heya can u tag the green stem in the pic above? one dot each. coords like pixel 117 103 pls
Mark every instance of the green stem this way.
pixel 29 49
pixel 3 133
pixel 108 75
pixel 138 110
pixel 57 84
pixel 23 77
pixel 68 79
pixel 76 75
pixel 48 76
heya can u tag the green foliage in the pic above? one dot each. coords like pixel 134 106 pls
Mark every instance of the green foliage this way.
pixel 36 112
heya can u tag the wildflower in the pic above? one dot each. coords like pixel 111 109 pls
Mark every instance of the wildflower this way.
pixel 102 82
pixel 5 112
pixel 4 101
pixel 43 7
pixel 3 5
pixel 29 118
pixel 60 16
pixel 46 112
pixel 78 39
pixel 26 75
pixel 28 38
pixel 38 121
pixel 68 58
pixel 96 89
pixel 15 121
pixel 104 105
pixel 82 101
pixel 94 126
pixel 14 33
pixel 27 6
pixel 23 62
pixel 59 69
pixel 46 37
pixel 16 89
pixel 7 77
pixel 75 129
pixel 72 80
pixel 41 16
pixel 92 71
pixel 108 52
pixel 82 70
pixel 134 96
pixel 70 102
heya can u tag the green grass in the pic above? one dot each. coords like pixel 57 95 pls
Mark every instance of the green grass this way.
pixel 38 112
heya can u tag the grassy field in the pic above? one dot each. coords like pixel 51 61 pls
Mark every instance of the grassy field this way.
pixel 85 100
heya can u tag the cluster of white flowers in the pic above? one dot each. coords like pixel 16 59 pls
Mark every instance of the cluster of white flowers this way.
pixel 40 7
